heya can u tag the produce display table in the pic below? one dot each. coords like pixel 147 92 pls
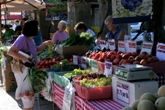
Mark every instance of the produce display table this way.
pixel 81 104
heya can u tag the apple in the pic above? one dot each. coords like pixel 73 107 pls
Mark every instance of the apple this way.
pixel 108 59
pixel 148 56
pixel 125 56
pixel 136 62
pixel 144 53
pixel 143 62
pixel 116 61
pixel 142 56
pixel 131 61
pixel 156 59
pixel 101 59
pixel 150 60
pixel 131 58
pixel 138 58
pixel 119 52
pixel 113 57
pixel 134 54
pixel 129 54
pixel 119 56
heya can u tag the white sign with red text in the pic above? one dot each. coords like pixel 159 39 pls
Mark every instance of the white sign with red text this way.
pixel 102 44
pixel 123 92
pixel 84 62
pixel 131 46
pixel 108 68
pixel 160 51
pixel 111 44
pixel 147 47
pixel 75 59
pixel 121 46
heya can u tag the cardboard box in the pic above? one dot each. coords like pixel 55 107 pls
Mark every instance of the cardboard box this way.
pixel 10 85
pixel 72 50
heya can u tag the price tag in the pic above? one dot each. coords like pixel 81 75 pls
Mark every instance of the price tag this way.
pixel 83 62
pixel 94 66
pixel 147 47
pixel 160 51
pixel 75 59
pixel 121 46
pixel 123 92
pixel 102 44
pixel 108 68
pixel 111 44
pixel 131 46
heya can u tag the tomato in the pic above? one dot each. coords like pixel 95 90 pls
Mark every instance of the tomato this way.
pixel 46 62
pixel 71 59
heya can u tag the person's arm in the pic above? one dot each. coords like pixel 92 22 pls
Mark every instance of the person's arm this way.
pixel 13 51
pixel 43 45
pixel 121 35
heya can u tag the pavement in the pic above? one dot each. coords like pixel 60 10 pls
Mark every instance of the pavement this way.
pixel 8 102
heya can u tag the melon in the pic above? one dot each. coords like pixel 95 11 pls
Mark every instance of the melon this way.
pixel 148 96
pixel 160 103
pixel 156 95
pixel 145 105
pixel 127 108
pixel 134 104
pixel 161 91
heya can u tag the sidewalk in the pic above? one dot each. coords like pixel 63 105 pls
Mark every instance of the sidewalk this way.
pixel 7 102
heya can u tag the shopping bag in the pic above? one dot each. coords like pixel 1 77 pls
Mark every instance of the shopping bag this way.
pixel 69 98
pixel 24 88
pixel 48 91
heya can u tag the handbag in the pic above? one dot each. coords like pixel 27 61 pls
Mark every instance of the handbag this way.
pixel 17 66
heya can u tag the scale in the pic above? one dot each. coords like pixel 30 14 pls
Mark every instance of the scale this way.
pixel 134 72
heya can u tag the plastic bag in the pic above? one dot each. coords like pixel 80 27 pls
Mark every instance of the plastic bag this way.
pixel 48 92
pixel 24 88
pixel 3 63
pixel 69 98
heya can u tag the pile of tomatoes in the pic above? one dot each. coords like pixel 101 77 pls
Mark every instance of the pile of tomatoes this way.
pixel 48 63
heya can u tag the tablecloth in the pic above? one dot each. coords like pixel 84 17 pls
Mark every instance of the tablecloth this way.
pixel 81 104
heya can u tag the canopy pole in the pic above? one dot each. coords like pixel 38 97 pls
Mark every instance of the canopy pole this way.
pixel 0 26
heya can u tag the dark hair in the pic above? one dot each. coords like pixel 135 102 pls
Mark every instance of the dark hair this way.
pixel 30 28
pixel 25 19
pixel 6 27
pixel 80 25
pixel 18 28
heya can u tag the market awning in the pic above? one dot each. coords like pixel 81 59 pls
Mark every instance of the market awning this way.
pixel 21 5
pixel 11 17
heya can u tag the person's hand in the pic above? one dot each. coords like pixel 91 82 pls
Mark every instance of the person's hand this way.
pixel 48 42
pixel 97 41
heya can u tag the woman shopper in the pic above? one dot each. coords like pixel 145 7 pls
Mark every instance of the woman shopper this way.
pixel 82 27
pixel 26 44
pixel 60 35
pixel 115 32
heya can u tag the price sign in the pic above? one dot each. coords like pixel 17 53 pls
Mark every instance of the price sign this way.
pixel 83 62
pixel 75 59
pixel 123 92
pixel 131 46
pixel 160 51
pixel 102 44
pixel 94 66
pixel 147 47
pixel 121 46
pixel 111 44
pixel 108 68
pixel 127 38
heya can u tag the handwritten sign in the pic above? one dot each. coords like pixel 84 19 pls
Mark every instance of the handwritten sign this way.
pixel 131 46
pixel 123 92
pixel 102 44
pixel 94 66
pixel 83 62
pixel 108 68
pixel 160 51
pixel 147 47
pixel 75 59
pixel 121 46
pixel 111 44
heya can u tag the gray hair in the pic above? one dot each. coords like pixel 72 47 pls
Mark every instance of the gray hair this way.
pixel 62 22
pixel 108 19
